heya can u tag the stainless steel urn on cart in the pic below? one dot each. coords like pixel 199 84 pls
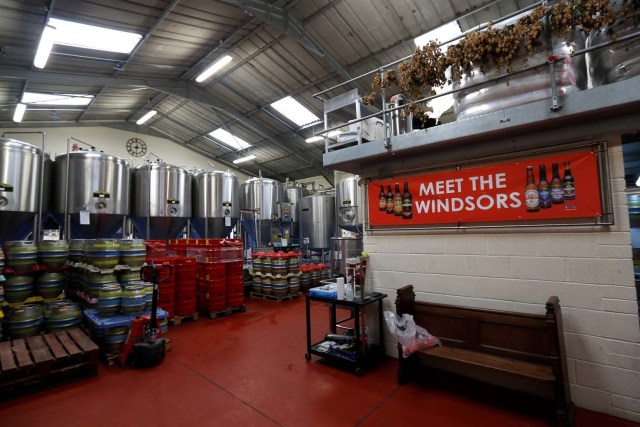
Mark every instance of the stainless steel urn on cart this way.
pixel 342 249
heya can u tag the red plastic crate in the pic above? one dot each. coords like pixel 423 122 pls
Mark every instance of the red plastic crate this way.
pixel 218 283
pixel 186 296
pixel 215 304
pixel 186 308
pixel 210 293
pixel 235 265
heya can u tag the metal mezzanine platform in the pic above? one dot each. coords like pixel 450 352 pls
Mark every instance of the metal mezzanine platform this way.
pixel 614 108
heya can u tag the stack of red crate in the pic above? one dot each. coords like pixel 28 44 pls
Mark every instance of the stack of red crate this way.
pixel 212 273
pixel 235 284
pixel 166 288
pixel 234 272
pixel 185 285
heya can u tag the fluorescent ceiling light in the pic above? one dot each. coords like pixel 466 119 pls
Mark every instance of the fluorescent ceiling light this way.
pixel 294 111
pixel 93 37
pixel 229 139
pixel 244 159
pixel 213 68
pixel 55 99
pixel 443 33
pixel 44 47
pixel 332 135
pixel 19 112
pixel 637 182
pixel 146 117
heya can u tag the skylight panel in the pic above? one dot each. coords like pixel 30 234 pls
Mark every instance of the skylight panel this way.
pixel 34 98
pixel 442 34
pixel 229 139
pixel 93 37
pixel 294 111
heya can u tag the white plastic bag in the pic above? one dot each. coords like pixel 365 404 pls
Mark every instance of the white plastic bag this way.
pixel 411 336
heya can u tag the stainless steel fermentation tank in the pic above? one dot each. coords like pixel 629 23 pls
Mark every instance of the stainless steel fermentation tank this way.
pixel 160 200
pixel 293 194
pixel 318 220
pixel 349 202
pixel 259 202
pixel 216 203
pixel 22 167
pixel 92 194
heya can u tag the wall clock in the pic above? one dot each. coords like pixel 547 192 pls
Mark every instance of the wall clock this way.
pixel 136 147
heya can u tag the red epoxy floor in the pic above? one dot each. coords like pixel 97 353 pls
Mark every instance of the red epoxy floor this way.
pixel 248 369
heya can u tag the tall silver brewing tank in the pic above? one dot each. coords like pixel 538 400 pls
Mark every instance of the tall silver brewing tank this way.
pixel 216 205
pixel 261 197
pixel 349 202
pixel 293 194
pixel 160 200
pixel 20 171
pixel 318 220
pixel 98 197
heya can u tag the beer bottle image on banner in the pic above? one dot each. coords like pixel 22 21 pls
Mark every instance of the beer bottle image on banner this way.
pixel 557 186
pixel 407 202
pixel 544 189
pixel 389 200
pixel 531 195
pixel 382 200
pixel 397 202
pixel 569 183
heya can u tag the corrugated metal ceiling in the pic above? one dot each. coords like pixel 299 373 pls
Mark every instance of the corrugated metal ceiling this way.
pixel 324 42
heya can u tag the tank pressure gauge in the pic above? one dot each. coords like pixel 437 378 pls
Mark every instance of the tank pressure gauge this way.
pixel 136 147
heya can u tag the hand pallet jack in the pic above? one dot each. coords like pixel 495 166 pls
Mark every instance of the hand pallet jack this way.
pixel 143 347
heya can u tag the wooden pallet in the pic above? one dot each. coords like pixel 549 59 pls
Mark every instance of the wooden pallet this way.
pixel 275 298
pixel 179 319
pixel 225 312
pixel 36 363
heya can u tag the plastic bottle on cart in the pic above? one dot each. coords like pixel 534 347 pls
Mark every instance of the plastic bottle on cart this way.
pixel 340 286
pixel 348 292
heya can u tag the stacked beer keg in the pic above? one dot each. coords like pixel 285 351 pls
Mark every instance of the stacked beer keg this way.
pixel 34 287
pixel 278 275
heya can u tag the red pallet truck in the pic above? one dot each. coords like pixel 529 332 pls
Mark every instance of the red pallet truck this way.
pixel 143 347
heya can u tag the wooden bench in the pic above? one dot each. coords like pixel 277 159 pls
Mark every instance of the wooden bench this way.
pixel 514 350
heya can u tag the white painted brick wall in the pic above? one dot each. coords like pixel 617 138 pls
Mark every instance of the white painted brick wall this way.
pixel 588 268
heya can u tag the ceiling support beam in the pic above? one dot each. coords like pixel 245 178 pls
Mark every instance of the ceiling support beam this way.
pixel 120 66
pixel 284 21
pixel 167 86
pixel 281 19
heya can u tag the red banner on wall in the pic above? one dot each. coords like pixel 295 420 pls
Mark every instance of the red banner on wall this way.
pixel 514 191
